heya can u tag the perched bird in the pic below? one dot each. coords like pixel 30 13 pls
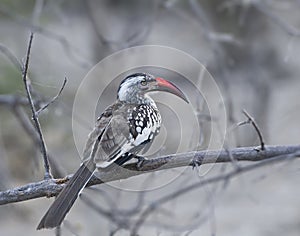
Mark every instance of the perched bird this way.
pixel 122 130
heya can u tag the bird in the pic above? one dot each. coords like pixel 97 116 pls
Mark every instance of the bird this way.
pixel 123 130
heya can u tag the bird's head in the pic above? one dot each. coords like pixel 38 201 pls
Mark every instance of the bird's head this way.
pixel 133 88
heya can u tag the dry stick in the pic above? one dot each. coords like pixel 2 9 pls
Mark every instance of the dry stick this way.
pixel 33 111
pixel 48 188
pixel 252 121
pixel 53 99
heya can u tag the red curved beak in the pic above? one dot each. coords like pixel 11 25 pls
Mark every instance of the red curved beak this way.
pixel 164 85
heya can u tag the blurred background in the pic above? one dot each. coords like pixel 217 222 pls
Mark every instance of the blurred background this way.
pixel 250 47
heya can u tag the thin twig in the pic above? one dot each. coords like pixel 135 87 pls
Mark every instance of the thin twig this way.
pixel 53 99
pixel 253 123
pixel 33 111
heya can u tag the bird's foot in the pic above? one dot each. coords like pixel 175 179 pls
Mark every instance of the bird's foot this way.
pixel 195 163
pixel 259 148
pixel 140 161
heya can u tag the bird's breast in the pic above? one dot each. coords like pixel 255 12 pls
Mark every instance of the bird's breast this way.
pixel 144 122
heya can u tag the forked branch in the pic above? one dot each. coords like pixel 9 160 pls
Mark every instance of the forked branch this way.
pixel 33 110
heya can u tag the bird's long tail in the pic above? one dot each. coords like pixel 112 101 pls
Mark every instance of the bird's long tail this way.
pixel 66 198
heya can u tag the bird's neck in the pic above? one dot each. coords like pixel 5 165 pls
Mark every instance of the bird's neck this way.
pixel 138 99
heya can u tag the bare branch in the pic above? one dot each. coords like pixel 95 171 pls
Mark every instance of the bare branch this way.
pixel 51 187
pixel 252 122
pixel 53 99
pixel 33 111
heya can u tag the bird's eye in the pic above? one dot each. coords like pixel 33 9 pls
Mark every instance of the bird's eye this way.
pixel 143 82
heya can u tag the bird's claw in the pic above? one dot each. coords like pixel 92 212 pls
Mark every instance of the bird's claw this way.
pixel 259 148
pixel 195 163
pixel 140 161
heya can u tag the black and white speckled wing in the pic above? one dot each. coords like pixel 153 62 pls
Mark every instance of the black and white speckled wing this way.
pixel 123 129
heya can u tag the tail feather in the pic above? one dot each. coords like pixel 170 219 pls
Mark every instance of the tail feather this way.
pixel 66 198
